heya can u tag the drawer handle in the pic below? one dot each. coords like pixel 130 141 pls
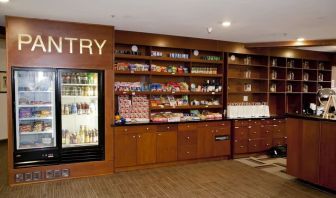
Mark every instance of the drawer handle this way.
pixel 222 124
pixel 133 136
pixel 187 137
pixel 236 127
pixel 147 128
pixel 241 146
pixel 285 137
pixel 250 127
pixel 249 140
pixel 125 129
pixel 168 127
pixel 206 125
pixel 267 144
pixel 139 136
pixel 255 145
pixel 159 134
pixel 188 126
pixel 254 132
pixel 267 132
pixel 236 140
pixel 188 152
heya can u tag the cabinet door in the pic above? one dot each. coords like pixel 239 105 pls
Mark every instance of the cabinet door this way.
pixel 294 131
pixel 205 142
pixel 310 151
pixel 328 155
pixel 125 152
pixel 221 144
pixel 254 145
pixel 146 148
pixel 254 132
pixel 166 146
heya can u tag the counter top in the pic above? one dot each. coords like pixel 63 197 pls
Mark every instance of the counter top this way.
pixel 200 121
pixel 310 117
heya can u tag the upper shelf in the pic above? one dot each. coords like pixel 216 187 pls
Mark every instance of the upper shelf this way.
pixel 140 57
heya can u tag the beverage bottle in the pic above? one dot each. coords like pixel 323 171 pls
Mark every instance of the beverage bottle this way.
pixel 68 78
pixel 73 78
pixel 63 136
pixel 85 81
pixel 66 110
pixel 74 108
pixel 82 135
pixel 95 78
pixel 91 137
pixel 95 135
pixel 87 138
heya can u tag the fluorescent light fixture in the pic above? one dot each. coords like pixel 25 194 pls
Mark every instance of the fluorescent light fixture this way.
pixel 300 39
pixel 4 1
pixel 226 24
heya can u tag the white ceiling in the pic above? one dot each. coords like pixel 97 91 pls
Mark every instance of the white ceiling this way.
pixel 320 48
pixel 252 20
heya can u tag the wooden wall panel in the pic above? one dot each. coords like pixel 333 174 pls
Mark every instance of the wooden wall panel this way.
pixel 38 58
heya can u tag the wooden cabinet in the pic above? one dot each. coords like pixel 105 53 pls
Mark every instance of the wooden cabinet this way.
pixel 294 131
pixel 146 148
pixel 125 148
pixel 311 154
pixel 187 141
pixel 328 155
pixel 310 150
pixel 252 136
pixel 166 146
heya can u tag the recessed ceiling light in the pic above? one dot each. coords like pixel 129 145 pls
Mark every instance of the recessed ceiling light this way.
pixel 4 1
pixel 300 39
pixel 209 29
pixel 226 24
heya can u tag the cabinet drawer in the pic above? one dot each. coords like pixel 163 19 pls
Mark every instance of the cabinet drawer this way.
pixel 240 122
pixel 279 131
pixel 166 128
pixel 216 124
pixel 240 133
pixel 191 126
pixel 266 143
pixel 254 123
pixel 266 121
pixel 266 131
pixel 254 146
pixel 279 141
pixel 240 146
pixel 254 132
pixel 135 129
pixel 187 138
pixel 187 152
pixel 226 130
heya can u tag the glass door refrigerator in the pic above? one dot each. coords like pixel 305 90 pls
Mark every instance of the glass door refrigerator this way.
pixel 82 115
pixel 58 116
pixel 34 116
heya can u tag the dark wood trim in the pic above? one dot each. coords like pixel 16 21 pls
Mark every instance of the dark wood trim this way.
pixel 308 43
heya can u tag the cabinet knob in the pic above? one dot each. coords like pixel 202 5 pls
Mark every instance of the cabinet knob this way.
pixel 249 140
pixel 236 140
pixel 206 125
pixel 249 127
pixel 188 126
pixel 133 136
pixel 241 146
pixel 255 145
pixel 147 128
pixel 159 134
pixel 267 144
pixel 236 127
pixel 223 124
pixel 285 137
pixel 254 132
pixel 267 132
pixel 187 137
pixel 168 127
pixel 125 129
pixel 139 136
pixel 188 152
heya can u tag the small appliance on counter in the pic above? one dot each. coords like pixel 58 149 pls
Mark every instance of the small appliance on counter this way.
pixel 326 97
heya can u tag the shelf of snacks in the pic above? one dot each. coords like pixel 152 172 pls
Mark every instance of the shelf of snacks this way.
pixel 194 115
pixel 165 79
pixel 37 118
pixel 35 105
pixel 35 132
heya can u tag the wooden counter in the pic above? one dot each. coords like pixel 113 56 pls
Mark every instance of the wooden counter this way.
pixel 312 150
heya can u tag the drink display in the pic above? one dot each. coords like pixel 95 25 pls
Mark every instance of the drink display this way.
pixel 207 86
pixel 35 109
pixel 79 108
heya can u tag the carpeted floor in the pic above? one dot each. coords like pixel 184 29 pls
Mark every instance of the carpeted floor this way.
pixel 228 178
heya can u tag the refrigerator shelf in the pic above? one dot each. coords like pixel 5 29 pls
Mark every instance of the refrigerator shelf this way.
pixel 36 91
pixel 81 115
pixel 67 84
pixel 42 105
pixel 87 97
pixel 79 145
pixel 36 132
pixel 37 118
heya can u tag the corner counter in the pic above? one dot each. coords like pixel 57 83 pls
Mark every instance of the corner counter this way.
pixel 312 149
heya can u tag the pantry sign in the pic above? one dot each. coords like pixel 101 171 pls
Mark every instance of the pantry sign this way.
pixel 50 44
pixel 39 42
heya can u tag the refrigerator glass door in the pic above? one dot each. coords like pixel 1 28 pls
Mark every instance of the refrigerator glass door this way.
pixel 34 109
pixel 79 108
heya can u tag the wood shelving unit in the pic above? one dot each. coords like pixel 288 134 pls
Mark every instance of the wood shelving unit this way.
pixel 233 75
pixel 148 77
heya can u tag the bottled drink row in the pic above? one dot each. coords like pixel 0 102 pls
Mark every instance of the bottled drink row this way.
pixel 79 108
pixel 79 78
pixel 84 135
pixel 79 91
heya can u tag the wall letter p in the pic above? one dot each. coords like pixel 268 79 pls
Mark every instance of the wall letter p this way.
pixel 23 39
